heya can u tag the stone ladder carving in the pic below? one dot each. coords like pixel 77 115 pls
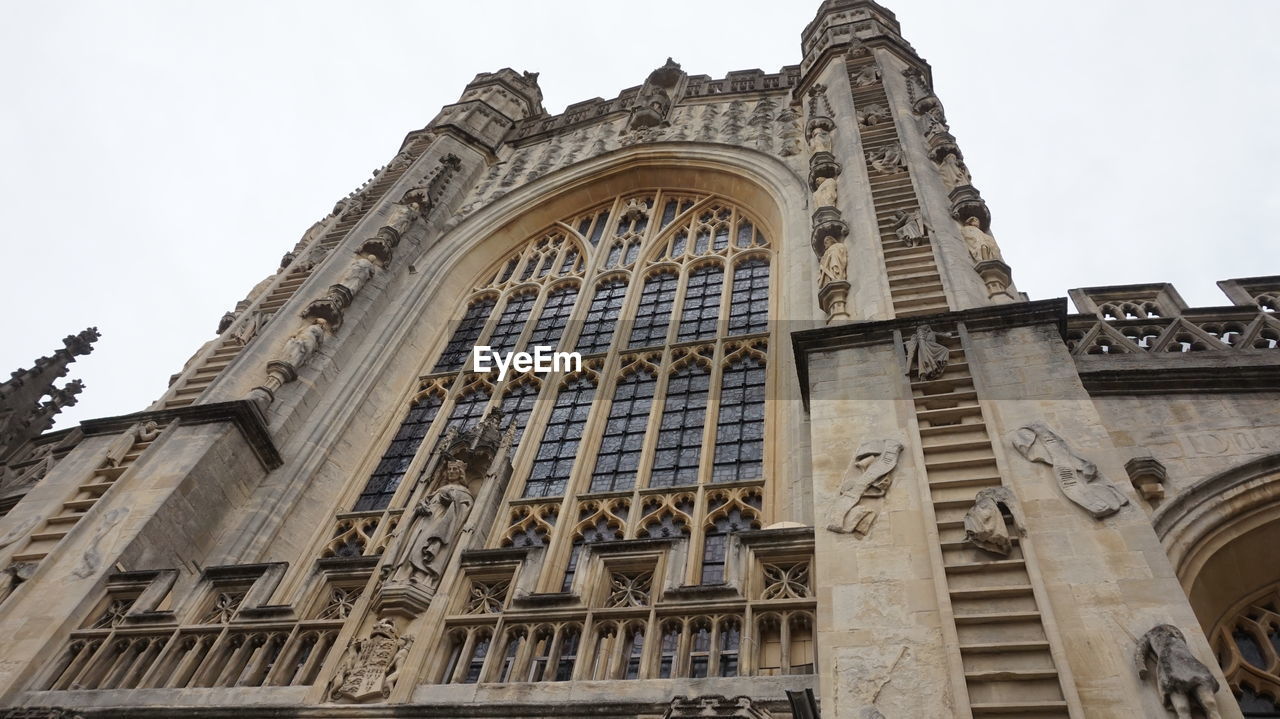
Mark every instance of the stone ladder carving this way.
pixel 915 284
pixel 189 388
pixel 121 456
pixel 1009 669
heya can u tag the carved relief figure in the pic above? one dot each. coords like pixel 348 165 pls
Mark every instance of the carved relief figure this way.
pixel 435 525
pixel 827 193
pixel 982 246
pixel 358 273
pixel 868 476
pixel 250 328
pixel 984 523
pixel 1180 677
pixel 872 115
pixel 402 217
pixel 348 207
pixel 909 226
pixel 868 74
pixel 889 159
pixel 93 555
pixel 935 121
pixel 403 159
pixel 926 355
pixel 834 266
pixel 370 667
pixel 789 133
pixel 1078 477
pixel 140 432
pixel 954 172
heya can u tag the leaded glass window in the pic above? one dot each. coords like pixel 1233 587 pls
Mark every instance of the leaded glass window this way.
pixel 749 303
pixel 701 309
pixel 518 401
pixel 395 460
pixel 618 457
pixel 554 317
pixel 602 317
pixel 739 452
pixel 656 302
pixel 458 350
pixel 680 432
pixel 469 407
pixel 560 440
pixel 511 323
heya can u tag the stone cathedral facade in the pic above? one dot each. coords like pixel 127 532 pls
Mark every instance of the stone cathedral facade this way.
pixel 820 456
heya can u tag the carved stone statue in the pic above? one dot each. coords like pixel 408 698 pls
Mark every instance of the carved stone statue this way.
pixel 140 432
pixel 1078 477
pixel 403 216
pixel 304 343
pixel 827 194
pixel 835 263
pixel 926 355
pixel 935 121
pixel 434 526
pixel 982 246
pixel 348 206
pixel 909 226
pixel 370 667
pixel 250 327
pixel 872 115
pixel 403 159
pixel 889 159
pixel 954 172
pixel 868 74
pixel 225 322
pixel 819 140
pixel 359 272
pixel 984 523
pixel 1180 677
pixel 868 476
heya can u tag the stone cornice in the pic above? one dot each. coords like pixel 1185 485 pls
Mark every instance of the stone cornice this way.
pixel 242 413
pixel 978 319
pixel 1149 378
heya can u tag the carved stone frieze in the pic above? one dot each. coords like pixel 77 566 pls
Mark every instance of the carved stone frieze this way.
pixel 909 226
pixel 1078 478
pixel 867 476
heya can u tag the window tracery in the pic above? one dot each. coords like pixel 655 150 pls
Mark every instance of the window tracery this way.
pixel 669 423
pixel 1248 648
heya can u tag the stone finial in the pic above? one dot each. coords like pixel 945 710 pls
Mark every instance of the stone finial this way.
pixel 24 411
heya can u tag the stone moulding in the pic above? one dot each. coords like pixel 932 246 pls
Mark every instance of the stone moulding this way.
pixel 243 414
pixel 862 334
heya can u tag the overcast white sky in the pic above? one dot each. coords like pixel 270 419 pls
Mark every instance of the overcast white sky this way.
pixel 157 158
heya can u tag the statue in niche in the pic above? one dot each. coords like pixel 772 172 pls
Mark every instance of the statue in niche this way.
pixel 140 432
pixel 435 525
pixel 982 246
pixel 358 273
pixel 370 667
pixel 909 226
pixel 935 121
pixel 868 476
pixel 926 355
pixel 403 216
pixel 1078 477
pixel 1180 677
pixel 889 159
pixel 984 523
pixel 954 172
pixel 868 74
pixel 834 266
pixel 819 140
pixel 304 343
pixel 827 193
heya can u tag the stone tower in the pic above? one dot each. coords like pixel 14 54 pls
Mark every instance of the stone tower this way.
pixel 819 457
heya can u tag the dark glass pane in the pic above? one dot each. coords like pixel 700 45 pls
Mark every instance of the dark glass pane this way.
pixel 560 440
pixel 684 414
pixel 619 453
pixel 701 305
pixel 749 302
pixel 390 470
pixel 511 322
pixel 468 409
pixel 555 315
pixel 602 317
pixel 464 336
pixel 668 213
pixel 739 451
pixel 517 405
pixel 599 230
pixel 656 302
pixel 1250 649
